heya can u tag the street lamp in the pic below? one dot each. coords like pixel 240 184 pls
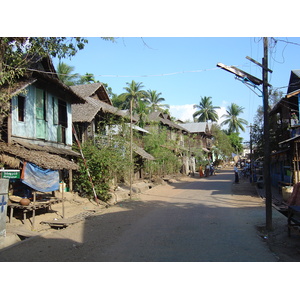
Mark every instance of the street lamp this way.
pixel 253 81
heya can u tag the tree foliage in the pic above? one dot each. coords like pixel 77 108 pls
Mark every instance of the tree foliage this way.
pixel 206 111
pixel 18 53
pixel 232 118
pixel 66 74
pixel 154 101
pixel 166 160
pixel 134 92
pixel 108 163
pixel 222 141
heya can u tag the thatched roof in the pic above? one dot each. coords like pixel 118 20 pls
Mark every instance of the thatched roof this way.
pixel 165 119
pixel 42 72
pixel 93 90
pixel 40 158
pixel 86 112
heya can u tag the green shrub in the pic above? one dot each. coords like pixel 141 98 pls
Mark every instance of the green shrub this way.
pixel 107 165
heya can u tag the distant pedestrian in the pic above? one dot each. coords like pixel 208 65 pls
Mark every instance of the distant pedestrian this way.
pixel 212 170
pixel 207 170
pixel 192 165
pixel 236 174
pixel 201 171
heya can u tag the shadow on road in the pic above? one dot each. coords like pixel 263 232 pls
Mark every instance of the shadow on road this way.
pixel 211 220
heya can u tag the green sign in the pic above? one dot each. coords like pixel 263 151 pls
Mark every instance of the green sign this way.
pixel 9 174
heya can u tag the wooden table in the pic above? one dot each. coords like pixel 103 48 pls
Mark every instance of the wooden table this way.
pixel 33 206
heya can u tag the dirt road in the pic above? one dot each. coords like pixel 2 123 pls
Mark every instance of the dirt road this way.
pixel 199 220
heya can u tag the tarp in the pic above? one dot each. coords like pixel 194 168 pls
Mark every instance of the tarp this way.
pixel 40 179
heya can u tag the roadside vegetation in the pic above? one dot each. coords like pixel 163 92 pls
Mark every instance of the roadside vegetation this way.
pixel 108 161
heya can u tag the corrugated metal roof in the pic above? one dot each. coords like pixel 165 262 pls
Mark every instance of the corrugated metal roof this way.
pixel 195 127
pixel 140 151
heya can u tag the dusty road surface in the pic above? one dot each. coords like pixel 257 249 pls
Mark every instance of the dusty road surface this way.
pixel 195 221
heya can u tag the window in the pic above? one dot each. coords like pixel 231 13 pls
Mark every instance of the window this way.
pixel 62 113
pixel 21 108
pixel 40 104
pixel 60 118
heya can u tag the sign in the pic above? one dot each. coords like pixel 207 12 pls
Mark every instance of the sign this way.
pixel 10 174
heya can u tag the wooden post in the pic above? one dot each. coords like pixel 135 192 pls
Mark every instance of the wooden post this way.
pixel 63 200
pixel 267 152
pixel 33 212
pixel 70 181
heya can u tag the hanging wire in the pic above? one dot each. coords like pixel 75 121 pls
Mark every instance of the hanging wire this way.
pixel 153 75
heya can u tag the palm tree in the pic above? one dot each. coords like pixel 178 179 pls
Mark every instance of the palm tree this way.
pixel 141 110
pixel 133 93
pixel 66 74
pixel 235 123
pixel 206 111
pixel 87 78
pixel 154 100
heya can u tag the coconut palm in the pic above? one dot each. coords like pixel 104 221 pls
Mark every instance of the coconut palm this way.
pixel 206 110
pixel 87 78
pixel 66 74
pixel 141 110
pixel 232 120
pixel 154 100
pixel 133 93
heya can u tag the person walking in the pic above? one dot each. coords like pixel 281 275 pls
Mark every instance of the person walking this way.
pixel 201 171
pixel 192 165
pixel 207 170
pixel 236 174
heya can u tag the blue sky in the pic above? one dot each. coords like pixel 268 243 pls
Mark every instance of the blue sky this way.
pixel 183 69
pixel 186 41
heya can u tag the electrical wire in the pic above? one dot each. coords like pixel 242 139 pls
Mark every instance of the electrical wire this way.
pixel 153 75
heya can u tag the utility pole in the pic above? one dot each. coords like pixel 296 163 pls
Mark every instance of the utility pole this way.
pixel 267 155
pixel 131 151
pixel 253 81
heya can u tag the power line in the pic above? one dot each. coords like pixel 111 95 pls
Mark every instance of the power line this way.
pixel 116 76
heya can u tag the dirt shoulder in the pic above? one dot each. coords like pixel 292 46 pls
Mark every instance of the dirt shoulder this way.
pixel 287 249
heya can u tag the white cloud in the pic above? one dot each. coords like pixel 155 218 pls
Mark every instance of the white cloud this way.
pixel 185 112
pixel 182 112
pixel 221 111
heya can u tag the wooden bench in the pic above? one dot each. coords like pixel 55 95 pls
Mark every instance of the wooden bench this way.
pixel 293 218
pixel 42 204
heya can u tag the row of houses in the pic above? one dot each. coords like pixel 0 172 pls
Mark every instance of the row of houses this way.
pixel 285 125
pixel 45 114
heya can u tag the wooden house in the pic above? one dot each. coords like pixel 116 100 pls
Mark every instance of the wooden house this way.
pixel 200 136
pixel 38 128
pixel 98 118
pixel 90 118
pixel 175 132
pixel 285 164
